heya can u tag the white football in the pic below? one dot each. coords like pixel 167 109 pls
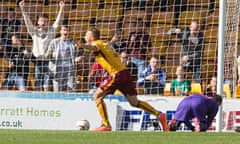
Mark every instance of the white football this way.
pixel 83 124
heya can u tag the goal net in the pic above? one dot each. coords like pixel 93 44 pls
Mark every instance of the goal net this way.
pixel 158 16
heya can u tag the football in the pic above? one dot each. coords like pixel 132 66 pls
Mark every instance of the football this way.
pixel 83 124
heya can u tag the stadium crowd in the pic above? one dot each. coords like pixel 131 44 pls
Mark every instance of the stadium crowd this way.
pixel 56 59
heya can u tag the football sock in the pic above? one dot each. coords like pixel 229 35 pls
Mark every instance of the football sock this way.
pixel 101 106
pixel 148 108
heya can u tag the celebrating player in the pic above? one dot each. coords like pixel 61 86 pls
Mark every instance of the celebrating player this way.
pixel 120 78
pixel 201 108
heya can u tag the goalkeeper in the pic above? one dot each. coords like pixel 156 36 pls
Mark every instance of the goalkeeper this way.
pixel 120 78
pixel 201 108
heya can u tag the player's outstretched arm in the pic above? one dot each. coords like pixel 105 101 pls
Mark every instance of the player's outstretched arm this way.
pixel 88 47
pixel 58 19
pixel 28 22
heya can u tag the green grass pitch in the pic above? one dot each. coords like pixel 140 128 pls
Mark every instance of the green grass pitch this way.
pixel 115 137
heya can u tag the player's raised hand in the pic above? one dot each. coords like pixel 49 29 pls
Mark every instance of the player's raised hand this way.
pixel 78 59
pixel 61 4
pixel 21 4
pixel 78 45
pixel 132 39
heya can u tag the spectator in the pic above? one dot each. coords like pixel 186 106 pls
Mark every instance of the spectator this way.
pixel 9 25
pixel 153 78
pixel 139 43
pixel 117 42
pixel 212 87
pixel 42 35
pixel 19 59
pixel 130 66
pixel 204 85
pixel 96 75
pixel 63 56
pixel 180 86
pixel 192 49
pixel 201 109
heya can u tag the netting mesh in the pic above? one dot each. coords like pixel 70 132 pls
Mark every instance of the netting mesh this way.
pixel 158 17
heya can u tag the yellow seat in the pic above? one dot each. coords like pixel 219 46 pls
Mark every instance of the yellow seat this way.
pixel 237 92
pixel 167 89
pixel 117 92
pixel 196 88
pixel 227 91
pixel 109 13
pixel 210 51
pixel 187 17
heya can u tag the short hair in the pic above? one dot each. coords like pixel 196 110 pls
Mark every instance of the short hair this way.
pixel 11 9
pixel 17 36
pixel 154 57
pixel 138 20
pixel 95 33
pixel 182 67
pixel 44 15
pixel 218 98
pixel 65 26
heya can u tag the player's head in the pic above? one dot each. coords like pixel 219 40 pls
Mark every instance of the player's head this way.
pixel 92 35
pixel 194 27
pixel 213 81
pixel 16 39
pixel 218 98
pixel 119 34
pixel 43 21
pixel 154 63
pixel 64 32
pixel 139 24
pixel 124 57
pixel 180 71
pixel 11 13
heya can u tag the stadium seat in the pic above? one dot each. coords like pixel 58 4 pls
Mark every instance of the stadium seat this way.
pixel 52 11
pixel 167 89
pixel 196 88
pixel 212 18
pixel 83 12
pixel 159 32
pixel 174 50
pixel 106 29
pixel 187 17
pixel 163 17
pixel 210 51
pixel 133 14
pixel 237 91
pixel 197 5
pixel 77 31
pixel 158 48
pixel 3 70
pixel 171 65
pixel 208 68
pixel 227 91
pixel 110 13
pixel 211 34
pixel 89 1
pixel 113 1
